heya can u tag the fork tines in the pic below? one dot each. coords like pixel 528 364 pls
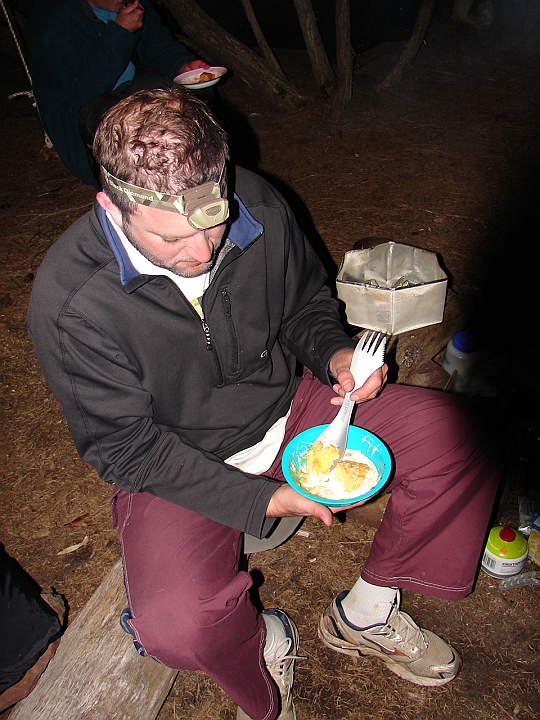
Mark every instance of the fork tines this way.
pixel 372 340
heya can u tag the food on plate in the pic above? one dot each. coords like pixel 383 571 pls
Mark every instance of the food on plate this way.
pixel 200 76
pixel 354 475
pixel 203 77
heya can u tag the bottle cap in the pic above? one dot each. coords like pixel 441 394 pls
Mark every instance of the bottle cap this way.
pixel 505 542
pixel 507 535
pixel 465 341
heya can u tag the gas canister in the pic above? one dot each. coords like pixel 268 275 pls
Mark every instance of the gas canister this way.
pixel 505 553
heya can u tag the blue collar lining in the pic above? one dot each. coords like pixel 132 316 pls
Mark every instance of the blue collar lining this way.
pixel 243 231
pixel 126 267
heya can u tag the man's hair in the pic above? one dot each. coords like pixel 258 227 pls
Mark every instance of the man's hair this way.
pixel 166 140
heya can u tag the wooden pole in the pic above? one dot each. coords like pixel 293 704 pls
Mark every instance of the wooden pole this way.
pixel 96 673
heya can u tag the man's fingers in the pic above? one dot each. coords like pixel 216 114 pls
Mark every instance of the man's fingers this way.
pixel 286 502
pixel 369 390
pixel 134 6
pixel 348 507
pixel 324 514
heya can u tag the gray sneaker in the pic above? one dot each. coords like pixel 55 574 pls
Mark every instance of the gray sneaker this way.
pixel 281 668
pixel 411 652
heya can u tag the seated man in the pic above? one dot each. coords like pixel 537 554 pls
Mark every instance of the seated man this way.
pixel 84 56
pixel 169 322
pixel 31 623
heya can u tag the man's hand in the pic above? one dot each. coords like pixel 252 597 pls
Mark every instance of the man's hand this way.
pixel 340 365
pixel 286 502
pixel 130 16
pixel 193 65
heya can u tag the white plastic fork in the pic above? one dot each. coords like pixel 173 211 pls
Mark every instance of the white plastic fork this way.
pixel 368 357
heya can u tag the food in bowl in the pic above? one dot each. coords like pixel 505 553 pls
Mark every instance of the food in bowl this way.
pixel 320 459
pixel 321 475
pixel 368 449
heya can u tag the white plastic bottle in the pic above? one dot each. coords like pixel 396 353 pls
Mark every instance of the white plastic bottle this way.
pixel 460 356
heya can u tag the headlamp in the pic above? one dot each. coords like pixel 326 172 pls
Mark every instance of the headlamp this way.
pixel 204 205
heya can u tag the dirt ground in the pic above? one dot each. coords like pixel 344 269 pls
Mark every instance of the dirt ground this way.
pixel 450 162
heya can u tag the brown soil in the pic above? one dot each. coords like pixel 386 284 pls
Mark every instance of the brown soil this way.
pixel 449 161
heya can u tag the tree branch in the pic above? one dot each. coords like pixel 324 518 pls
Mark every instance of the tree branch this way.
pixel 411 48
pixel 324 75
pixel 211 41
pixel 265 48
pixel 344 56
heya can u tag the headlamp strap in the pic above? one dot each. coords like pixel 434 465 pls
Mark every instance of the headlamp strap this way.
pixel 164 201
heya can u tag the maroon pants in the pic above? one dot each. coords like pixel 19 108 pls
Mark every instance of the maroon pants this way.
pixel 189 601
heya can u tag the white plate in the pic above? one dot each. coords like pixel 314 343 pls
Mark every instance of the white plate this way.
pixel 191 77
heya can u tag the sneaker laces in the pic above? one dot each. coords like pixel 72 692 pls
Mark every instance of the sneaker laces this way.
pixel 282 666
pixel 401 628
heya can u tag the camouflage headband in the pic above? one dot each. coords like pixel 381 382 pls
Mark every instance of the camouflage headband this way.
pixel 204 205
pixel 164 201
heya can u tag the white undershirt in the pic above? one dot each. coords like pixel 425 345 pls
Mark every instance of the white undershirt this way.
pixel 257 458
pixel 192 288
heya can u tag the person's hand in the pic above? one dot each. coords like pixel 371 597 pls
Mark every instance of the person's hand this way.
pixel 130 16
pixel 340 365
pixel 286 502
pixel 193 65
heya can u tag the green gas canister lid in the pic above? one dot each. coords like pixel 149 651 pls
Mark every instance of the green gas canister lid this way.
pixel 505 553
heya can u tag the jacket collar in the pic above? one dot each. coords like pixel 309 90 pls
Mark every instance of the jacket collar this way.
pixel 243 231
pixel 127 270
pixel 87 10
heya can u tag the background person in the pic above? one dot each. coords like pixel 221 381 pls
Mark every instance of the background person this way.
pixel 30 629
pixel 169 322
pixel 84 56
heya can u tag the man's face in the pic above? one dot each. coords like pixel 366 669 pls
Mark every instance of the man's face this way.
pixel 168 240
pixel 111 5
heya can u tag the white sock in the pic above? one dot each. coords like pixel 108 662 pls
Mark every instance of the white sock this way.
pixel 368 604
pixel 275 635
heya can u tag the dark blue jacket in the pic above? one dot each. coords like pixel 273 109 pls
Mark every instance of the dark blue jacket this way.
pixel 73 58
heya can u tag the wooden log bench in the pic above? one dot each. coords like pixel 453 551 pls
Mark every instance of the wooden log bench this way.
pixel 96 673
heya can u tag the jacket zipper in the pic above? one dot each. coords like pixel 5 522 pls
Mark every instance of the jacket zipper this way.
pixel 206 331
pixel 232 333
pixel 210 348
pixel 207 335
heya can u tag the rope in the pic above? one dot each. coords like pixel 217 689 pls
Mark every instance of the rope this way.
pixel 28 93
pixel 16 40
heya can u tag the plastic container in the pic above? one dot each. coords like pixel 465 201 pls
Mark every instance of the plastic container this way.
pixel 528 578
pixel 506 552
pixel 392 287
pixel 460 357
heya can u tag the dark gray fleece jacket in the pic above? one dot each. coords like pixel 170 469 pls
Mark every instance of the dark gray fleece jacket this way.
pixel 154 397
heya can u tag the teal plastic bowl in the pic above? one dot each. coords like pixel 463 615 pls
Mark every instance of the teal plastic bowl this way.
pixel 293 461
